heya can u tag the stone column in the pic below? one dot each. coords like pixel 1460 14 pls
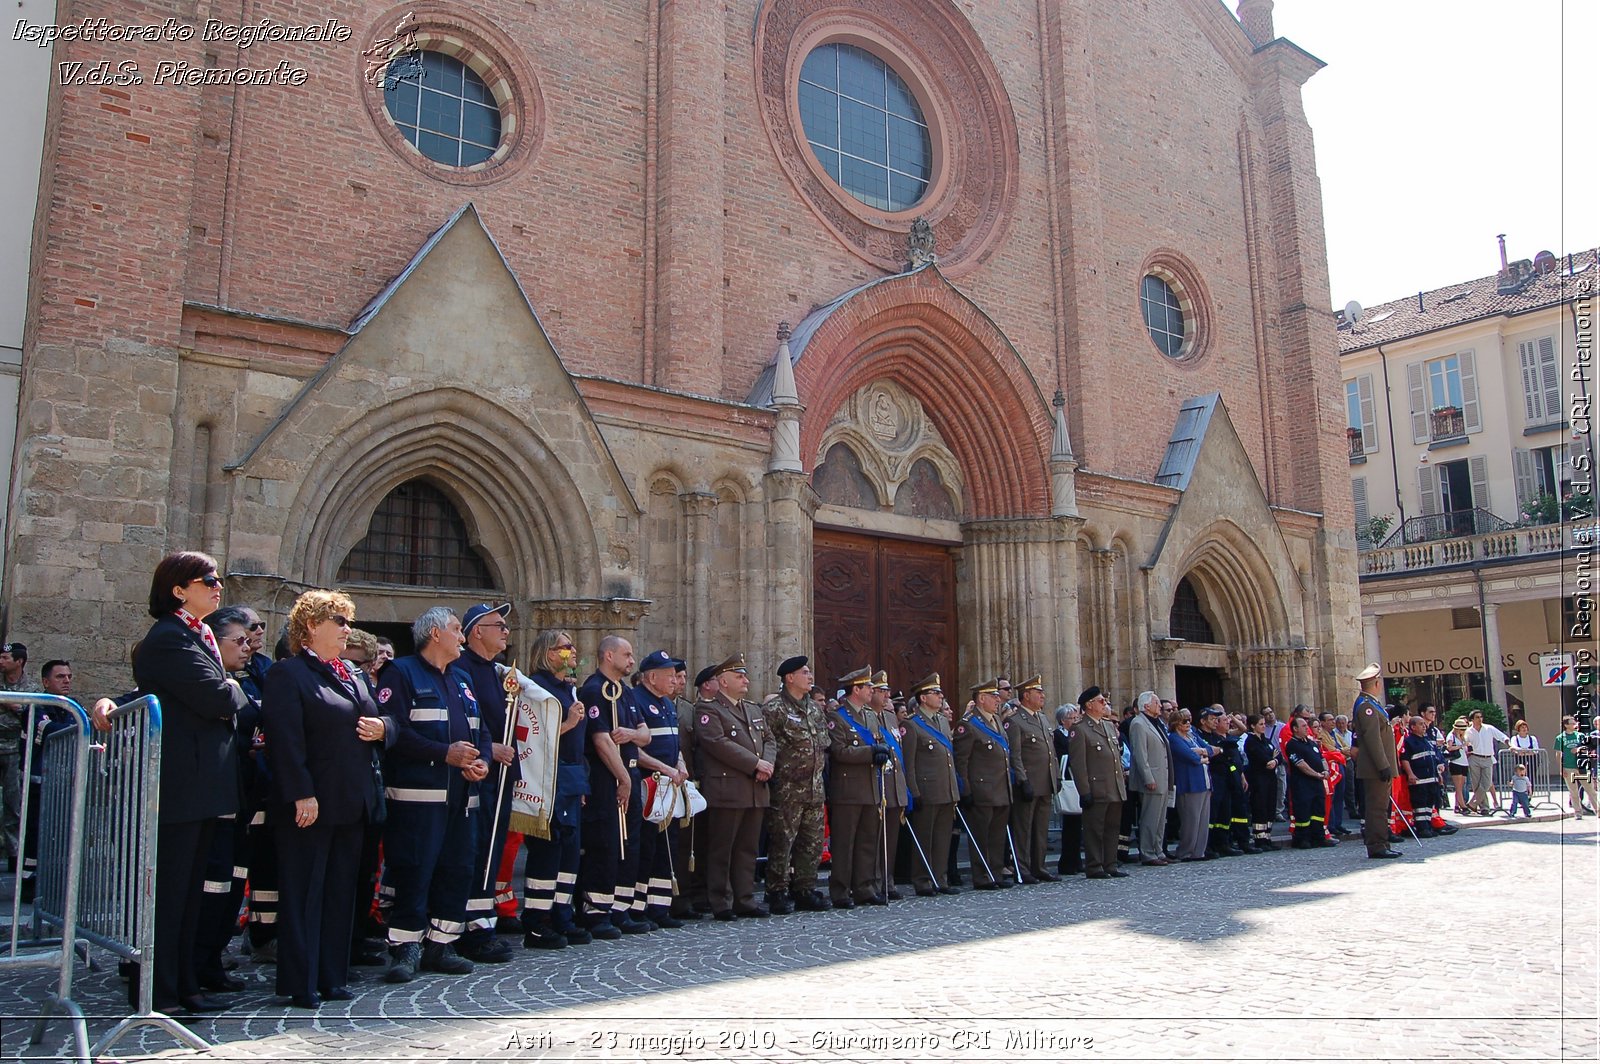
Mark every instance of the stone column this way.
pixel 697 510
pixel 1305 686
pixel 1369 638
pixel 790 506
pixel 1491 641
pixel 1164 653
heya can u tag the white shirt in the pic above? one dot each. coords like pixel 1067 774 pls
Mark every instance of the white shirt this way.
pixel 1525 742
pixel 1481 741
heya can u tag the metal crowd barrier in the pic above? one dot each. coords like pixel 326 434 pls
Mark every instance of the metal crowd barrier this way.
pixel 57 840
pixel 1544 777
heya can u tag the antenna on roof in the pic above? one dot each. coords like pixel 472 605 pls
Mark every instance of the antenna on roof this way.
pixel 1352 313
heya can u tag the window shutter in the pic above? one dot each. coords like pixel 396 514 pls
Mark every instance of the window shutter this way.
pixel 1428 489
pixel 1471 419
pixel 1532 392
pixel 1478 471
pixel 1561 461
pixel 1419 403
pixel 1358 490
pixel 1369 414
pixel 1522 468
pixel 1550 378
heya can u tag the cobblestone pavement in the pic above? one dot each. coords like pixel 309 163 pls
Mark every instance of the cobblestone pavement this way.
pixel 1477 947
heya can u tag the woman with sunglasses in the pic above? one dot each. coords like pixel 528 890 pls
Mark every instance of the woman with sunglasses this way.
pixel 1191 759
pixel 321 726
pixel 180 662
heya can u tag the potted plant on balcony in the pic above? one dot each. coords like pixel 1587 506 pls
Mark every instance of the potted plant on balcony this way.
pixel 1370 533
pixel 1577 505
pixel 1542 509
pixel 1353 437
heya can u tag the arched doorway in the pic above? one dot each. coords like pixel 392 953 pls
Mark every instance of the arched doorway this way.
pixel 417 539
pixel 1196 684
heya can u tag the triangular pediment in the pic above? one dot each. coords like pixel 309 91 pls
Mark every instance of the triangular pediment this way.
pixel 455 317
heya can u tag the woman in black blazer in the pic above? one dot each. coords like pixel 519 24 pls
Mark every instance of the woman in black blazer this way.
pixel 320 727
pixel 179 662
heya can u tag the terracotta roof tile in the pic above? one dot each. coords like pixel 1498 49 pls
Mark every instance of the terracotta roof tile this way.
pixel 1459 303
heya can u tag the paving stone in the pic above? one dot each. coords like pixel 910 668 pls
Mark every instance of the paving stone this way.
pixel 1292 955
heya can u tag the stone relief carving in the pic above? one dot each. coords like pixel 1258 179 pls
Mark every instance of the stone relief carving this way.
pixel 883 440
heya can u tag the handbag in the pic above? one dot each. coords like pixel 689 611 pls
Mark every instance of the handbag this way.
pixel 1067 801
pixel 664 800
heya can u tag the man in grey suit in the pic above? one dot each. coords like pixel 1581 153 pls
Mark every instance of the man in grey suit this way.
pixel 1150 777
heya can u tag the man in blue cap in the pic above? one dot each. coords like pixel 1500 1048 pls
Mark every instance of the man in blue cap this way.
pixel 663 754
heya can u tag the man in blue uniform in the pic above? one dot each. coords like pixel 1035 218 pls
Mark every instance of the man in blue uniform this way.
pixel 487 634
pixel 611 819
pixel 440 754
pixel 659 713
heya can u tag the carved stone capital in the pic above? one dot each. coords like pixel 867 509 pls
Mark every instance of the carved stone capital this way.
pixel 588 615
pixel 698 503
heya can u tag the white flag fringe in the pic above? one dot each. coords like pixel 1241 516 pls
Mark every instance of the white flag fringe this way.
pixel 537 734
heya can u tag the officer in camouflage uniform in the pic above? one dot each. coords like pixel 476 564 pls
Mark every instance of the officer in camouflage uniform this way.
pixel 794 823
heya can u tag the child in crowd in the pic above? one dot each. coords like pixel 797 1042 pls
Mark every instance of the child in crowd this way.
pixel 1521 792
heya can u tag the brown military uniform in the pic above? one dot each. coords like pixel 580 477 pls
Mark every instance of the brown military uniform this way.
pixel 1029 735
pixel 854 822
pixel 730 738
pixel 794 824
pixel 931 776
pixel 896 795
pixel 1095 753
pixel 984 763
pixel 1376 766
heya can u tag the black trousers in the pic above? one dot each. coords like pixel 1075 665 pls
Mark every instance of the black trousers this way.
pixel 180 881
pixel 550 876
pixel 427 863
pixel 1071 861
pixel 490 838
pixel 317 869
pixel 227 866
pixel 609 864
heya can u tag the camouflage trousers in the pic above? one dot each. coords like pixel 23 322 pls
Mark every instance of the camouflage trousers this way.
pixel 794 843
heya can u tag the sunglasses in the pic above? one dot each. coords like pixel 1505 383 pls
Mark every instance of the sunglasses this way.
pixel 210 580
pixel 239 640
pixel 259 626
pixel 341 620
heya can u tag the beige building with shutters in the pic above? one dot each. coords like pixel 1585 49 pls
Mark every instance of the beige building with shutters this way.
pixel 1471 472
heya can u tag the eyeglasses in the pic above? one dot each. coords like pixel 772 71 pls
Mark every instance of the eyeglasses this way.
pixel 566 646
pixel 341 620
pixel 210 580
pixel 359 662
pixel 498 627
pixel 239 640
pixel 259 626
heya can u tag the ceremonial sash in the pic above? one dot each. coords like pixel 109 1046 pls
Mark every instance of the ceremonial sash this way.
pixel 933 733
pixel 977 722
pixel 862 730
pixel 899 755
pixel 536 733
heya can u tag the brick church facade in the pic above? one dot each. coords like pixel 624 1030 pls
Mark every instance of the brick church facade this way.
pixel 971 336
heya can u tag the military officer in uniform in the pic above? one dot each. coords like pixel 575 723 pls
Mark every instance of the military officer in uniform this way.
pixel 1033 801
pixel 1095 754
pixel 984 761
pixel 856 753
pixel 931 779
pixel 799 727
pixel 689 853
pixel 895 794
pixel 1377 764
pixel 736 761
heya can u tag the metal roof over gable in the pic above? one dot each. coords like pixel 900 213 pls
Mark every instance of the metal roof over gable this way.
pixel 1188 432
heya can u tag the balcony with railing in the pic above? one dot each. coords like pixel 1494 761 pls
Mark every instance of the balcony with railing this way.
pixel 1466 537
pixel 1358 449
pixel 1446 423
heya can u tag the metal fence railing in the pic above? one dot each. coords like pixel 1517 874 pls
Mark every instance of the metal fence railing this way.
pixel 50 837
pixel 99 813
pixel 1544 776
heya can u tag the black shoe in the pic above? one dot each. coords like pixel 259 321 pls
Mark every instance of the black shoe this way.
pixel 306 1001
pixel 369 958
pixel 606 932
pixel 755 912
pixel 1029 878
pixel 1102 875
pixel 1049 877
pixel 811 901
pixel 926 892
pixel 544 938
pixel 1003 884
pixel 1117 873
pixel 950 890
pixel 442 957
pixel 725 915
pixel 337 993
pixel 223 983
pixel 492 951
pixel 507 925
pixel 629 926
pixel 201 1003
pixel 894 895
pixel 876 899
pixel 405 959
pixel 780 904
pixel 1384 855
pixel 845 903
pixel 665 919
pixel 575 936
pixel 1447 829
pixel 1324 843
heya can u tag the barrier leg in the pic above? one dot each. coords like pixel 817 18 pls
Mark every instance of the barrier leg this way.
pixel 80 1029
pixel 159 1020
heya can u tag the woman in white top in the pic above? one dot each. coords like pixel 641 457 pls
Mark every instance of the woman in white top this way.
pixel 1455 745
pixel 1521 739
